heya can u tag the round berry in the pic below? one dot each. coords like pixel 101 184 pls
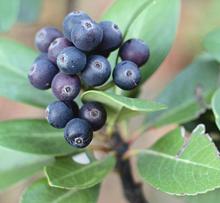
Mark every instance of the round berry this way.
pixel 78 133
pixel 45 36
pixel 135 50
pixel 65 87
pixel 56 47
pixel 112 36
pixel 71 19
pixel 127 75
pixel 71 60
pixel 42 56
pixel 42 73
pixel 95 114
pixel 97 71
pixel 86 35
pixel 58 113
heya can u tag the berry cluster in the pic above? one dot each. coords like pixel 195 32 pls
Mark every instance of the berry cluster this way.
pixel 79 56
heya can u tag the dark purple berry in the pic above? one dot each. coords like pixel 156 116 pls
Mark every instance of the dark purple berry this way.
pixel 42 73
pixel 58 113
pixel 135 50
pixel 42 56
pixel 127 75
pixel 71 61
pixel 95 114
pixel 71 19
pixel 78 133
pixel 97 71
pixel 56 47
pixel 86 35
pixel 112 36
pixel 45 36
pixel 65 87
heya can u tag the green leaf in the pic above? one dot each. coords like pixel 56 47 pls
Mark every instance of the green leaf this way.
pixel 212 43
pixel 15 61
pixel 115 103
pixel 16 166
pixel 209 197
pixel 189 94
pixel 154 21
pixel 180 165
pixel 216 107
pixel 41 192
pixel 33 136
pixel 29 10
pixel 66 173
pixel 8 14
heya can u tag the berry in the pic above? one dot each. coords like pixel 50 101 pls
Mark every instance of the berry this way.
pixel 135 50
pixel 65 87
pixel 97 71
pixel 71 60
pixel 112 36
pixel 71 19
pixel 56 47
pixel 42 73
pixel 86 35
pixel 95 114
pixel 78 133
pixel 58 113
pixel 127 75
pixel 42 56
pixel 45 36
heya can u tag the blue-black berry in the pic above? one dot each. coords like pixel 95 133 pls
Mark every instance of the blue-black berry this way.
pixel 127 75
pixel 56 47
pixel 112 37
pixel 135 50
pixel 97 71
pixel 94 113
pixel 65 87
pixel 45 36
pixel 42 73
pixel 78 133
pixel 42 56
pixel 71 60
pixel 86 35
pixel 58 113
pixel 71 19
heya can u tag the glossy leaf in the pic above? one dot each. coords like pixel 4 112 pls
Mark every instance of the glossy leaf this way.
pixel 8 14
pixel 189 94
pixel 216 107
pixel 66 173
pixel 115 103
pixel 33 136
pixel 16 166
pixel 15 61
pixel 180 165
pixel 41 192
pixel 212 43
pixel 29 10
pixel 147 19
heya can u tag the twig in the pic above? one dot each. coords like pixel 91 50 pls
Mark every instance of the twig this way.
pixel 132 190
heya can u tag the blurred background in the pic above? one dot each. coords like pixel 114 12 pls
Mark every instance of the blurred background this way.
pixel 198 17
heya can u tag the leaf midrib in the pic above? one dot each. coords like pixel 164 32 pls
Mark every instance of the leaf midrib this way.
pixel 185 161
pixel 96 163
pixel 124 105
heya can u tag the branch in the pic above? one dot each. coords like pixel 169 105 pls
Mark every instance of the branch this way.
pixel 132 190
